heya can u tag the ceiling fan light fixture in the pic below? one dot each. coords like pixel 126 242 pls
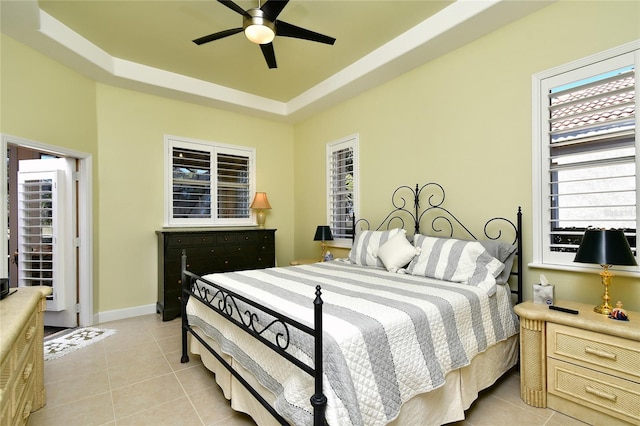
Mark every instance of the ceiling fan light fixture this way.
pixel 257 28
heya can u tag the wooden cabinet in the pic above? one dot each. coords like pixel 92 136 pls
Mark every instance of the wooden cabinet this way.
pixel 586 366
pixel 21 354
pixel 208 251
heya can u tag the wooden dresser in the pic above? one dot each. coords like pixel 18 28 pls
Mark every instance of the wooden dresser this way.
pixel 21 354
pixel 586 366
pixel 208 251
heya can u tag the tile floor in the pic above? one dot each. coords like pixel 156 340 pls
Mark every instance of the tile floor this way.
pixel 135 378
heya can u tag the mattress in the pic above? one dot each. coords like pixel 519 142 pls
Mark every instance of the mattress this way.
pixel 393 342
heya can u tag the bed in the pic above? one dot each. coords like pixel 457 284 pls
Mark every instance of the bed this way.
pixel 405 331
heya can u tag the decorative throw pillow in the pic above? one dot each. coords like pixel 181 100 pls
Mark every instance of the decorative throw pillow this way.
pixel 505 253
pixel 449 259
pixel 397 252
pixel 366 244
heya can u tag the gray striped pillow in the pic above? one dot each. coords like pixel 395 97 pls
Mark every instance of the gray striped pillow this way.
pixel 365 247
pixel 453 260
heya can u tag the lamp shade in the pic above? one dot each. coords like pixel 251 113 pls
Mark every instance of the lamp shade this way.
pixel 605 247
pixel 323 233
pixel 260 201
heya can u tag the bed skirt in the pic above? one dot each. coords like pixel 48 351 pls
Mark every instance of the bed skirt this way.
pixel 443 405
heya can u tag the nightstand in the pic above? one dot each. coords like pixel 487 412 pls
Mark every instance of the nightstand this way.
pixel 304 261
pixel 586 365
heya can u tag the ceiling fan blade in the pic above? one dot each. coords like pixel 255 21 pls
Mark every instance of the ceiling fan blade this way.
pixel 288 30
pixel 272 8
pixel 231 5
pixel 217 36
pixel 269 55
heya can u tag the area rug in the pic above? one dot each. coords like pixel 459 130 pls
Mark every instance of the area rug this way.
pixel 57 346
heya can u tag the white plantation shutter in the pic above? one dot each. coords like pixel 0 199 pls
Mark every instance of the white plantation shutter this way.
pixel 39 255
pixel 590 167
pixel 342 186
pixel 191 183
pixel 234 189
pixel 209 184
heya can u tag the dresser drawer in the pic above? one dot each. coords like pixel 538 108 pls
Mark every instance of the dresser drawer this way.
pixel 601 392
pixel 26 336
pixel 182 240
pixel 26 373
pixel 610 354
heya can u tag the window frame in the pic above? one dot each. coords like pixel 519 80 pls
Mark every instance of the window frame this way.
pixel 619 57
pixel 213 148
pixel 351 142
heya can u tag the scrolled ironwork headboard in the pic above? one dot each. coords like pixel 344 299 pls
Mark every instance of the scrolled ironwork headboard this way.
pixel 425 204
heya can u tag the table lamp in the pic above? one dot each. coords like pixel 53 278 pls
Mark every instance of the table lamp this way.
pixel 605 247
pixel 261 204
pixel 323 233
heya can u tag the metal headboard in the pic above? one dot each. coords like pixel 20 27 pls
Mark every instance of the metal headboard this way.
pixel 425 203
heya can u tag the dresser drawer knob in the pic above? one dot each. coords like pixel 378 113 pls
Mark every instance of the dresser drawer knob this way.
pixel 26 412
pixel 601 394
pixel 30 333
pixel 246 237
pixel 601 354
pixel 26 373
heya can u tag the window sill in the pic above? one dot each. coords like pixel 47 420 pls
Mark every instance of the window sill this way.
pixel 586 269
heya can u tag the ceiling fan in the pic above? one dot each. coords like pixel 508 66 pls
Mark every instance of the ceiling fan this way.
pixel 261 25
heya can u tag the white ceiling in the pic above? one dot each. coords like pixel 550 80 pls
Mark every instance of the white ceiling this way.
pixel 147 45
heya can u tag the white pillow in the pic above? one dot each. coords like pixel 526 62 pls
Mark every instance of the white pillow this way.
pixel 455 260
pixel 397 252
pixel 366 244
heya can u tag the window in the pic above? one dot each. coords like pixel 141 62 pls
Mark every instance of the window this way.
pixel 585 163
pixel 342 188
pixel 208 184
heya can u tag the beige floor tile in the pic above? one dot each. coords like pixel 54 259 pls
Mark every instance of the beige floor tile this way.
pixel 238 419
pixel 174 360
pixel 84 361
pixel 145 395
pixel 564 420
pixel 75 387
pixel 211 405
pixel 509 390
pixel 94 410
pixel 129 333
pixel 164 330
pixel 175 413
pixel 123 353
pixel 123 374
pixel 135 378
pixel 170 344
pixel 196 379
pixel 491 411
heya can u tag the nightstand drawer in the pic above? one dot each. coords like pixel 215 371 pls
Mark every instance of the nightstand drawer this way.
pixel 609 354
pixel 610 395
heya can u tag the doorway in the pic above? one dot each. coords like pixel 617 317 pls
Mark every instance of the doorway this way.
pixel 53 185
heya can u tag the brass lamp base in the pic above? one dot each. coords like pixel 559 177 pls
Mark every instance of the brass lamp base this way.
pixel 260 218
pixel 605 308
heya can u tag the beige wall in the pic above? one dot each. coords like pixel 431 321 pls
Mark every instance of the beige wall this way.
pixel 464 121
pixel 45 102
pixel 131 145
pixel 123 131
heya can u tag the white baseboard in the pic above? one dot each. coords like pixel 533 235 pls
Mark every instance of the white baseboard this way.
pixel 119 314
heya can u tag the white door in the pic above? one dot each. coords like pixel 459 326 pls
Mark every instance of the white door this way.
pixel 47 235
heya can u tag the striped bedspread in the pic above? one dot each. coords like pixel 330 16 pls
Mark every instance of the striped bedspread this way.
pixel 387 337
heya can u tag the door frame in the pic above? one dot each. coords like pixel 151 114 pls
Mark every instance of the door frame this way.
pixel 85 218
